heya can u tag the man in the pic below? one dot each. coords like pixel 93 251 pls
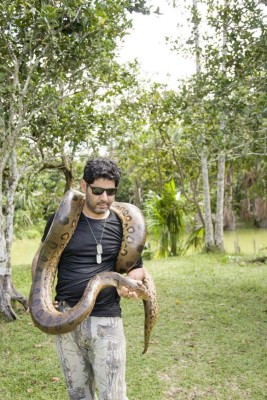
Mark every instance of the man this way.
pixel 93 356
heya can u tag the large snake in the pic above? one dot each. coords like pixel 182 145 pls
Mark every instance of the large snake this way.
pixel 44 315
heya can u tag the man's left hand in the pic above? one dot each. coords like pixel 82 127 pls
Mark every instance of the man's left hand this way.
pixel 136 275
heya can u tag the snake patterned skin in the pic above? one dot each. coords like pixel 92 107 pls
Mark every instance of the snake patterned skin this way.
pixel 44 315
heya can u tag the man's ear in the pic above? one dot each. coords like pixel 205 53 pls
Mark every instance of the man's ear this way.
pixel 83 185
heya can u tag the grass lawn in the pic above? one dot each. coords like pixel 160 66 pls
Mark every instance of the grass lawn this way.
pixel 209 342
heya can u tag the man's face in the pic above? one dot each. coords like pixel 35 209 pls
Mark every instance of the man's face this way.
pixel 99 204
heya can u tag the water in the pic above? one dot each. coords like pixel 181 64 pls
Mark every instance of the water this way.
pixel 249 241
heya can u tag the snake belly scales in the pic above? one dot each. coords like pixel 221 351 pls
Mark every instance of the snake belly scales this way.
pixel 44 315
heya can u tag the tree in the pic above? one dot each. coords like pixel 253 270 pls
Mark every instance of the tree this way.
pixel 216 99
pixel 51 53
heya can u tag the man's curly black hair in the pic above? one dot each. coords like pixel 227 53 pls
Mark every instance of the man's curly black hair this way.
pixel 101 168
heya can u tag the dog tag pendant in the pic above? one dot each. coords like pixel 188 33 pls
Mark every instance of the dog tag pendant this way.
pixel 98 258
pixel 99 249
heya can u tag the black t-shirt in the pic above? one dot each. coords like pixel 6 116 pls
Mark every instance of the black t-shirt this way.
pixel 78 265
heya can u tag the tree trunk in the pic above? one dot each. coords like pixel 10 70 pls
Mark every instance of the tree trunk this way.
pixel 228 215
pixel 67 170
pixel 209 232
pixel 137 193
pixel 173 236
pixel 221 160
pixel 219 242
pixel 8 293
pixel 13 180
pixel 160 181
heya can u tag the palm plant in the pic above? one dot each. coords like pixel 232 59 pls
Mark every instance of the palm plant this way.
pixel 196 239
pixel 165 217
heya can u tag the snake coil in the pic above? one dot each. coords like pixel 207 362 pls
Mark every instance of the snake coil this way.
pixel 43 312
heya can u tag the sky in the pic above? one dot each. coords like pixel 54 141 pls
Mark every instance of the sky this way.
pixel 146 42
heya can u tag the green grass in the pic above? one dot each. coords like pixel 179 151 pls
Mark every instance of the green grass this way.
pixel 23 251
pixel 209 342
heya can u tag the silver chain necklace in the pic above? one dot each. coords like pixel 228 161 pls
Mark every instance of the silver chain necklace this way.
pixel 99 248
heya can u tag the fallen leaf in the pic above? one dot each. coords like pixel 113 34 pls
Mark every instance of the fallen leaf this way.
pixel 55 379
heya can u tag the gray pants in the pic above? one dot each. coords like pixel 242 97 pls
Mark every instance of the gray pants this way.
pixel 94 356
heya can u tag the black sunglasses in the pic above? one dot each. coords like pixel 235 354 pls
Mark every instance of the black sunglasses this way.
pixel 98 191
